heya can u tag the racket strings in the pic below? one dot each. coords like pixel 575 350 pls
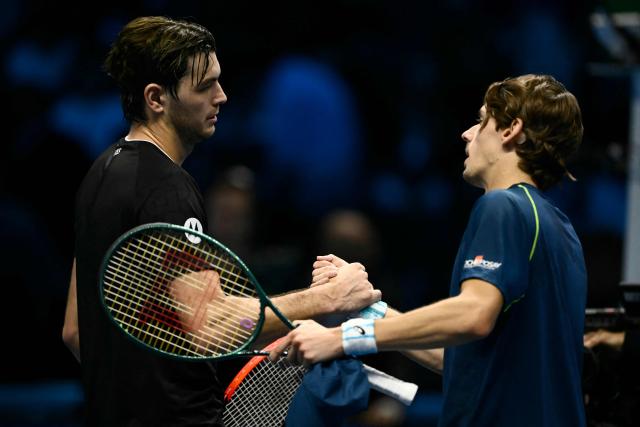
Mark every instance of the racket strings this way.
pixel 263 397
pixel 141 271
pixel 207 335
pixel 266 400
pixel 129 292
pixel 155 291
pixel 165 336
pixel 226 266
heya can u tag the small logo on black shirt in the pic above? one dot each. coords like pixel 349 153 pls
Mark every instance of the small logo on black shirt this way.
pixel 193 224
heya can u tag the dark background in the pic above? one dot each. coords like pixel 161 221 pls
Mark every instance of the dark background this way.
pixel 341 134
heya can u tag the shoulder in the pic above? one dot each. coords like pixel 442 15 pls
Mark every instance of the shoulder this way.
pixel 497 201
pixel 156 170
pixel 516 197
pixel 503 208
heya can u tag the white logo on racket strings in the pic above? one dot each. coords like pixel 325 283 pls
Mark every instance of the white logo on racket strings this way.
pixel 193 224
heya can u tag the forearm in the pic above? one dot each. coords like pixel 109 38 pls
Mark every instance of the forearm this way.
pixel 348 291
pixel 432 359
pixel 450 322
pixel 301 304
pixel 469 316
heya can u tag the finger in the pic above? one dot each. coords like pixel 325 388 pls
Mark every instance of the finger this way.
pixel 335 260
pixel 339 262
pixel 276 353
pixel 592 341
pixel 376 295
pixel 298 323
pixel 319 282
pixel 322 280
pixel 320 264
pixel 329 274
pixel 292 356
pixel 322 270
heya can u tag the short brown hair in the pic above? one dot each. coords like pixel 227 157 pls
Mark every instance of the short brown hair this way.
pixel 155 49
pixel 551 118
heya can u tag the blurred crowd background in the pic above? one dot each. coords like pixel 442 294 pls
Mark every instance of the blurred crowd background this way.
pixel 341 134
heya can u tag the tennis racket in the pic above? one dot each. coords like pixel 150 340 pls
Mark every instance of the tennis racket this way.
pixel 261 392
pixel 183 294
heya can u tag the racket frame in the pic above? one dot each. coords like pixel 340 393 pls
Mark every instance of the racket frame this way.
pixel 262 296
pixel 246 370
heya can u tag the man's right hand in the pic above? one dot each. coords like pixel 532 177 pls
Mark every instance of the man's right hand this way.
pixel 325 268
pixel 350 290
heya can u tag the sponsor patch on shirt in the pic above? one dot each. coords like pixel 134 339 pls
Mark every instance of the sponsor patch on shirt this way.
pixel 479 261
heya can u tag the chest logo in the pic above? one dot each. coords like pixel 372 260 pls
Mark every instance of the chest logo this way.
pixel 193 224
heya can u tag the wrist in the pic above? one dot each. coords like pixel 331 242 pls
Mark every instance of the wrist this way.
pixel 358 337
pixel 323 301
pixel 377 310
pixel 337 339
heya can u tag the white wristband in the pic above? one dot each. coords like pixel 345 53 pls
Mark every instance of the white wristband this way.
pixel 377 310
pixel 358 337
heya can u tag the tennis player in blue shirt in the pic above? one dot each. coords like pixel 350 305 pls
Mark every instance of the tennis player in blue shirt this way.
pixel 509 339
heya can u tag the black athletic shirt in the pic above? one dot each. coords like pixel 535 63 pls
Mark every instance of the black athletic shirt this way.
pixel 133 183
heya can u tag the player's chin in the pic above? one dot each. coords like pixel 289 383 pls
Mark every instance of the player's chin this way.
pixel 469 176
pixel 466 174
pixel 207 132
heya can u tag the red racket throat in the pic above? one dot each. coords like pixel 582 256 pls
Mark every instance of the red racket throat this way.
pixel 261 392
pixel 246 370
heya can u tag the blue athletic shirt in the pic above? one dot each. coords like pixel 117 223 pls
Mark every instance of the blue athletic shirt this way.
pixel 528 371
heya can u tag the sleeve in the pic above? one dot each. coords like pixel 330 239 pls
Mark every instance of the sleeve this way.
pixel 175 202
pixel 497 246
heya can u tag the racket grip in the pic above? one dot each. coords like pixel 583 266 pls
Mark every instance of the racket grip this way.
pixel 391 386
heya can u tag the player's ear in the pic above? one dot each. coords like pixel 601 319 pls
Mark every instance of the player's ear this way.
pixel 154 97
pixel 514 133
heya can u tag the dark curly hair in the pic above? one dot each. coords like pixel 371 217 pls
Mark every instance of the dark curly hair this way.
pixel 156 49
pixel 551 118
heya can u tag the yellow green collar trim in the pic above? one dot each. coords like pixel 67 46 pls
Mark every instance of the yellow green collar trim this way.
pixel 535 214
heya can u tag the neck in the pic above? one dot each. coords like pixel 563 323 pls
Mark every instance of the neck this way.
pixel 508 174
pixel 507 181
pixel 161 137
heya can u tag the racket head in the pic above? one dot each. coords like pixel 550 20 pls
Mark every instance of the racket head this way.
pixel 261 392
pixel 182 293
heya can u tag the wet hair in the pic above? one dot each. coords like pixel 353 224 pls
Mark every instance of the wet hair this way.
pixel 156 49
pixel 552 123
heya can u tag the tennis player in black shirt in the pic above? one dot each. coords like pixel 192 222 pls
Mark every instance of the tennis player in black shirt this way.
pixel 168 75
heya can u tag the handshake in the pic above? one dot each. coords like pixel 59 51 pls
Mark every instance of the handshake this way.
pixel 328 267
pixel 352 294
